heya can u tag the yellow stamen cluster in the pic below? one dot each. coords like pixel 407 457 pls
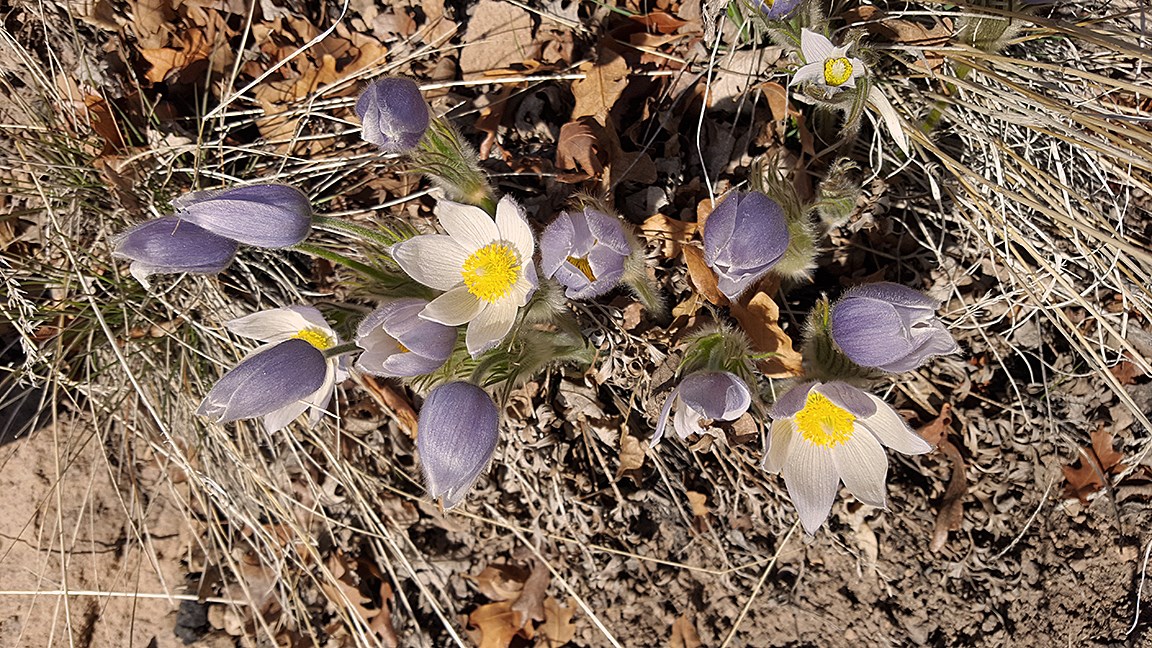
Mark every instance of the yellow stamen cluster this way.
pixel 582 265
pixel 823 422
pixel 837 71
pixel 315 337
pixel 491 271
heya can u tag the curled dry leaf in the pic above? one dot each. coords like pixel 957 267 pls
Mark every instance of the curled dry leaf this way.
pixel 1096 462
pixel 557 628
pixel 759 318
pixel 578 149
pixel 602 85
pixel 950 517
pixel 684 634
pixel 701 276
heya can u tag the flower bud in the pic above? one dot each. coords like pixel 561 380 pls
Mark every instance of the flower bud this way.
pixel 274 382
pixel 889 327
pixel 393 113
pixel 397 342
pixel 585 251
pixel 714 395
pixel 264 215
pixel 455 439
pixel 170 245
pixel 776 9
pixel 744 237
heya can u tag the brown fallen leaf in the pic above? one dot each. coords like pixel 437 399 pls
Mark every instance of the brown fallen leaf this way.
pixel 1126 372
pixel 1107 456
pixel 381 624
pixel 499 35
pixel 394 403
pixel 578 149
pixel 950 517
pixel 684 634
pixel 1095 464
pixel 632 454
pixel 701 276
pixel 500 582
pixel 699 504
pixel 557 628
pixel 759 318
pixel 530 604
pixel 659 22
pixel 495 625
pixel 602 85
pixel 674 233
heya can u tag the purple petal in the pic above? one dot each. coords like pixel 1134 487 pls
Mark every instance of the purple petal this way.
pixel 556 244
pixel 456 437
pixel 264 215
pixel 895 294
pixel 394 114
pixel 716 394
pixel 856 401
pixel 777 10
pixel 266 381
pixel 607 230
pixel 744 237
pixel 791 402
pixel 169 245
pixel 719 227
pixel 889 327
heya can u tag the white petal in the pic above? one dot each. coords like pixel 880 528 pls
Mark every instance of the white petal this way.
pixel 686 421
pixel 884 108
pixel 314 318
pixel 514 227
pixel 863 467
pixel 453 308
pixel 434 260
pixel 812 482
pixel 779 438
pixel 320 398
pixel 810 72
pixel 272 325
pixel 815 46
pixel 662 422
pixel 892 431
pixel 278 420
pixel 471 227
pixel 525 285
pixel 490 327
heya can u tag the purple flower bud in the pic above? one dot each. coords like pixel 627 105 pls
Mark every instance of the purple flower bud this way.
pixel 776 9
pixel 393 113
pixel 743 238
pixel 585 252
pixel 455 439
pixel 170 245
pixel 275 382
pixel 890 327
pixel 717 395
pixel 398 342
pixel 264 215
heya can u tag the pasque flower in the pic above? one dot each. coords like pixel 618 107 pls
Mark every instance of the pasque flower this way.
pixel 585 251
pixel 170 245
pixel 889 327
pixel 776 9
pixel 397 342
pixel 825 433
pixel 744 236
pixel 283 378
pixel 826 66
pixel 393 113
pixel 717 395
pixel 264 215
pixel 455 439
pixel 486 268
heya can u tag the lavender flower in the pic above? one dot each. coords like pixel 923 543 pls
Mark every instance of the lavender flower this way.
pixel 585 251
pixel 825 433
pixel 169 245
pixel 282 379
pixel 889 327
pixel 264 215
pixel 827 67
pixel 455 439
pixel 776 9
pixel 705 394
pixel 744 237
pixel 397 342
pixel 394 114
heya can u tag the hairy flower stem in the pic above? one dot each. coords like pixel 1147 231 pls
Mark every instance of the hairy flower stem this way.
pixel 336 257
pixel 342 349
pixel 444 156
pixel 340 226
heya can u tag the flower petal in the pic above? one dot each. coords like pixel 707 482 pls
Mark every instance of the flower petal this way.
pixel 686 421
pixel 469 226
pixel 807 73
pixel 453 308
pixel 863 466
pixel 264 215
pixel 409 364
pixel 779 438
pixel 662 420
pixel 272 378
pixel 892 431
pixel 490 327
pixel 278 420
pixel 816 47
pixel 812 482
pixel 434 260
pixel 791 402
pixel 274 325
pixel 513 226
pixel 456 438
pixel 855 400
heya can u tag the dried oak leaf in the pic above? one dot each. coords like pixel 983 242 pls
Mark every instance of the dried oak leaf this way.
pixel 659 22
pixel 684 634
pixel 499 35
pixel 494 625
pixel 602 85
pixel 557 628
pixel 701 276
pixel 759 318
pixel 578 149
pixel 950 517
pixel 632 454
pixel 673 233
pixel 530 604
pixel 500 582
pixel 1095 463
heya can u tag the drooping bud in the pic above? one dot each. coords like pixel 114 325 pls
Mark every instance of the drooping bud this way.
pixel 276 378
pixel 776 9
pixel 745 236
pixel 718 395
pixel 170 245
pixel 585 251
pixel 393 113
pixel 397 342
pixel 889 327
pixel 264 215
pixel 456 437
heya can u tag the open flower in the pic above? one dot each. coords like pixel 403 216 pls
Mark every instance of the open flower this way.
pixel 282 379
pixel 826 66
pixel 393 113
pixel 889 327
pixel 169 245
pixel 776 9
pixel 397 342
pixel 455 439
pixel 744 236
pixel 585 252
pixel 825 433
pixel 717 395
pixel 486 268
pixel 264 215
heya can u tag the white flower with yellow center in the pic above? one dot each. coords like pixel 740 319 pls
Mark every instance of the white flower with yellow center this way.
pixel 825 433
pixel 826 66
pixel 484 265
